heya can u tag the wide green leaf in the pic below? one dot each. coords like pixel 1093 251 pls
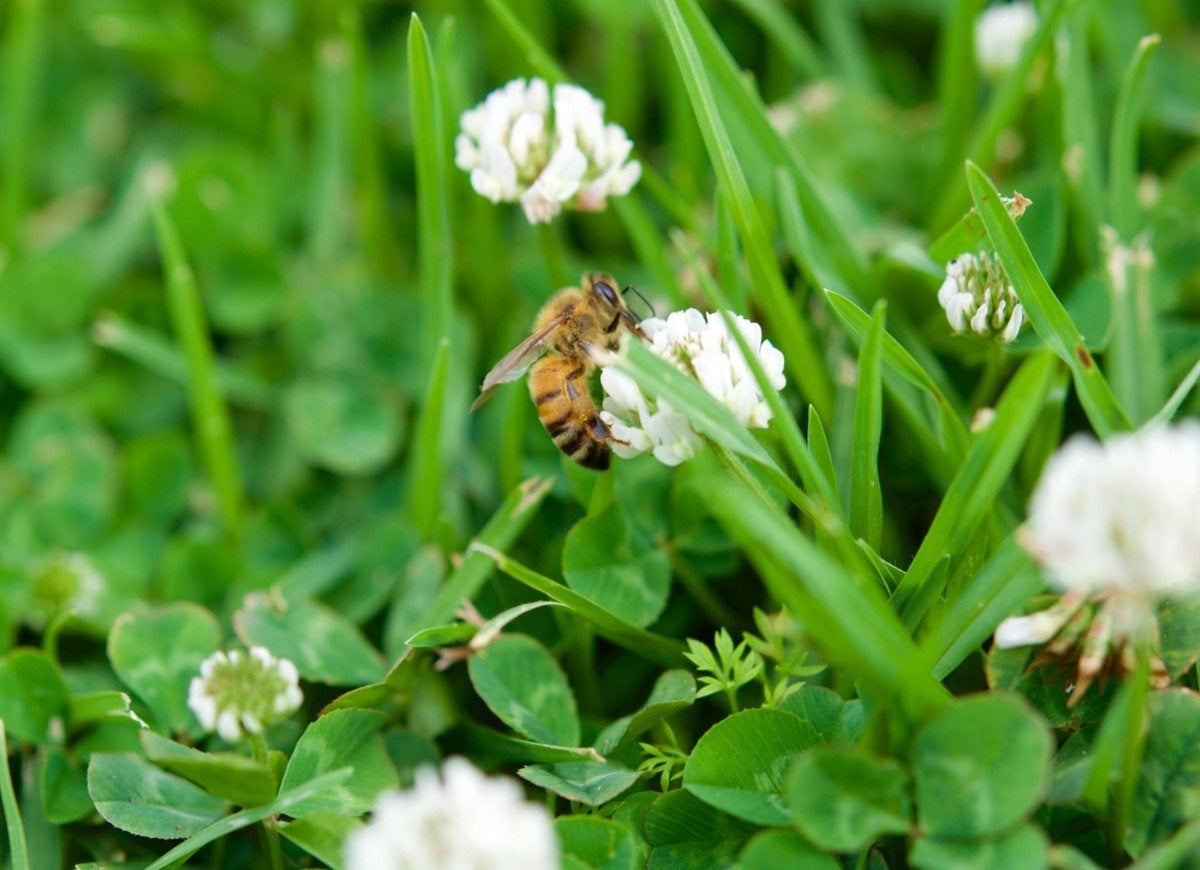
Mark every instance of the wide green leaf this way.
pixel 981 765
pixel 341 738
pixel 777 848
pixel 673 690
pixel 1025 847
pixel 588 782
pixel 235 778
pixel 134 795
pixel 844 799
pixel 34 693
pixel 601 844
pixel 610 563
pixel 738 765
pixel 524 686
pixel 685 832
pixel 1168 784
pixel 157 652
pixel 324 646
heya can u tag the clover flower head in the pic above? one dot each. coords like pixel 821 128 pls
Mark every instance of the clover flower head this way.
pixel 1116 529
pixel 1001 31
pixel 700 346
pixel 66 581
pixel 516 149
pixel 458 819
pixel 979 298
pixel 240 693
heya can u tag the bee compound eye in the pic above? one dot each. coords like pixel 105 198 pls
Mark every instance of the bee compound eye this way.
pixel 606 292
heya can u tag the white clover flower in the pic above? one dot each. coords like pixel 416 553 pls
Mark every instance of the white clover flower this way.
pixel 1116 527
pixel 460 820
pixel 699 345
pixel 514 150
pixel 1001 31
pixel 979 298
pixel 238 694
pixel 1121 516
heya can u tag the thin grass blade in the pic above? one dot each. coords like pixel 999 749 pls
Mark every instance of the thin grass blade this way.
pixel 18 851
pixel 501 530
pixel 1043 308
pixel 866 495
pixel 210 416
pixel 425 465
pixel 984 472
pixel 435 251
pixel 653 646
pixel 850 621
pixel 804 362
pixel 1002 586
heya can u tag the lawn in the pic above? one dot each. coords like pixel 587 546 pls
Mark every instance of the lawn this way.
pixel 854 518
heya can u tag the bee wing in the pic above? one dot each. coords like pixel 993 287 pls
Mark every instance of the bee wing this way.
pixel 517 361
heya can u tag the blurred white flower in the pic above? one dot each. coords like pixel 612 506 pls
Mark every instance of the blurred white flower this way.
pixel 699 345
pixel 238 694
pixel 1001 31
pixel 65 581
pixel 979 298
pixel 460 820
pixel 1116 527
pixel 514 150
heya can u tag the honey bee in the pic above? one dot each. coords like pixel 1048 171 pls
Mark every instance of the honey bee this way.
pixel 568 330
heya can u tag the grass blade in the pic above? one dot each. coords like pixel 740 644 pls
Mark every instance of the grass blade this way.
pixel 245 818
pixel 18 851
pixel 425 464
pixel 985 470
pixel 1135 354
pixel 1002 586
pixel 848 619
pixel 501 530
pixel 866 495
pixel 803 360
pixel 784 425
pixel 542 62
pixel 1124 210
pixel 653 646
pixel 210 416
pixel 23 55
pixel 958 77
pixel 331 153
pixel 1001 113
pixel 378 229
pixel 1044 310
pixel 435 254
pixel 155 353
pixel 1082 152
pixel 706 415
pixel 1171 408
pixel 795 46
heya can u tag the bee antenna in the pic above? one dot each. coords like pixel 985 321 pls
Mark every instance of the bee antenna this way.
pixel 638 292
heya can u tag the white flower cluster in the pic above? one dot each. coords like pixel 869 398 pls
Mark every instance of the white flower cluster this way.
pixel 1001 31
pixel 1115 522
pixel 461 820
pixel 514 150
pixel 699 345
pixel 238 694
pixel 979 298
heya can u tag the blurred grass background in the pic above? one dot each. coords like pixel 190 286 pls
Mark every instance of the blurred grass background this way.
pixel 276 404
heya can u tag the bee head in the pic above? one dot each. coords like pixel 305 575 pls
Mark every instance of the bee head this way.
pixel 604 288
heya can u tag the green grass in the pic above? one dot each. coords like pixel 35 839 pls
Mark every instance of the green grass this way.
pixel 246 300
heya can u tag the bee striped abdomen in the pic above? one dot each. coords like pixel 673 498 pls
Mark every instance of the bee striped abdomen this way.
pixel 558 387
